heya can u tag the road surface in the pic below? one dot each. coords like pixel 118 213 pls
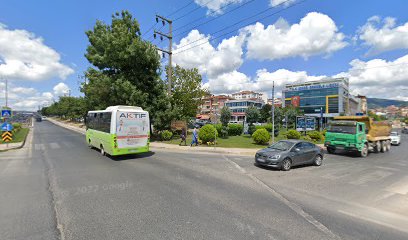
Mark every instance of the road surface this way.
pixel 58 188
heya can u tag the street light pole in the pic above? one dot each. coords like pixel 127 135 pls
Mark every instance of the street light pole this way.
pixel 273 112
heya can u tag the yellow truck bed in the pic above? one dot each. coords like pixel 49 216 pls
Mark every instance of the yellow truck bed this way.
pixel 376 130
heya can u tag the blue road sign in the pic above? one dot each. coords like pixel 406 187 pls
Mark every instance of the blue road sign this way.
pixel 6 127
pixel 5 113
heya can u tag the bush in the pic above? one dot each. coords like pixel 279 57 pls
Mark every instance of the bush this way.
pixel 166 135
pixel 224 132
pixel 293 134
pixel 307 138
pixel 207 133
pixel 315 135
pixel 268 127
pixel 16 127
pixel 261 136
pixel 251 129
pixel 218 127
pixel 235 129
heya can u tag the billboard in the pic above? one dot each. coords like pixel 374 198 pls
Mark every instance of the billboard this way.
pixel 295 101
pixel 305 124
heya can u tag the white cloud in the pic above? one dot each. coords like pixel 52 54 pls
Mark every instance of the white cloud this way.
pixel 383 38
pixel 379 78
pixel 225 58
pixel 23 56
pixel 215 5
pixel 275 3
pixel 61 89
pixel 22 98
pixel 315 34
pixel 229 82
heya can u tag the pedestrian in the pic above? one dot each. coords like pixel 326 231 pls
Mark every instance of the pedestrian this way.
pixel 195 138
pixel 183 137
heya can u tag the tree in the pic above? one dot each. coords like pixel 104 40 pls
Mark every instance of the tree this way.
pixel 186 92
pixel 291 113
pixel 225 116
pixel 265 113
pixel 126 69
pixel 252 115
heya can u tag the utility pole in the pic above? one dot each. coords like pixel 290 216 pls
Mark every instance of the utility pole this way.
pixel 6 93
pixel 273 112
pixel 170 50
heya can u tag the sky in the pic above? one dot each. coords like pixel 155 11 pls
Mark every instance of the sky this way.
pixel 235 44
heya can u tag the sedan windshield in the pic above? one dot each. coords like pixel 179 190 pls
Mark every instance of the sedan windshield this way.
pixel 342 129
pixel 282 145
pixel 394 134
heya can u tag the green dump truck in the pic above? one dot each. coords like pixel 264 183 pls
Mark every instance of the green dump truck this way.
pixel 358 134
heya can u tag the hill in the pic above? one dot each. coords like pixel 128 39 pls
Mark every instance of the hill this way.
pixel 381 103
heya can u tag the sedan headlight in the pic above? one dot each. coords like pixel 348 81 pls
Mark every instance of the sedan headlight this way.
pixel 274 157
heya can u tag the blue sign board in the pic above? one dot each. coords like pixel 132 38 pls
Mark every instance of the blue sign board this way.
pixel 6 127
pixel 5 113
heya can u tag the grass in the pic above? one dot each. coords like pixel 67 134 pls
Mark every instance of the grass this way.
pixel 243 141
pixel 19 136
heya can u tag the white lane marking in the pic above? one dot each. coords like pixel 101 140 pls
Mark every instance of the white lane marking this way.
pixel 296 208
pixel 400 187
pixel 371 177
pixel 39 146
pixel 54 146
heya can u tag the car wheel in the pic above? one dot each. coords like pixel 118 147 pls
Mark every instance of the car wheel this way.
pixel 364 151
pixel 318 160
pixel 286 164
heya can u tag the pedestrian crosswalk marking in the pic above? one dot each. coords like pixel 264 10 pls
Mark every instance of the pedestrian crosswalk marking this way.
pixel 55 145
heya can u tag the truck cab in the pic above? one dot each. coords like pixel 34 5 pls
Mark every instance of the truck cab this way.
pixel 345 135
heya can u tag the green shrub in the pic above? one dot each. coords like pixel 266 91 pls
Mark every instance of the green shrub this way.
pixel 251 129
pixel 315 135
pixel 268 127
pixel 293 134
pixel 218 127
pixel 166 135
pixel 307 138
pixel 235 129
pixel 224 132
pixel 261 136
pixel 207 133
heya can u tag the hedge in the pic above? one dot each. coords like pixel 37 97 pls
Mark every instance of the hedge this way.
pixel 315 135
pixel 166 135
pixel 235 129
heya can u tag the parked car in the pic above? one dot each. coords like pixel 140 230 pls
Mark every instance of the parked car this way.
pixel 395 138
pixel 288 153
pixel 405 130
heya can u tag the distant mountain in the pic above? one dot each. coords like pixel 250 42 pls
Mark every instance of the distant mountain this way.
pixel 381 103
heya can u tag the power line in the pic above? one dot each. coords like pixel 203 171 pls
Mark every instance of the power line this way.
pixel 243 20
pixel 178 10
pixel 195 9
pixel 212 19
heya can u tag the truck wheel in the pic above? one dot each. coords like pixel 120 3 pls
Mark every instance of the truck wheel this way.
pixel 330 150
pixel 389 145
pixel 383 146
pixel 364 151
pixel 377 147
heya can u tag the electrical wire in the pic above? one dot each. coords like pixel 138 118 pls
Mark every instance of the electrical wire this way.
pixel 212 19
pixel 195 9
pixel 243 20
pixel 178 10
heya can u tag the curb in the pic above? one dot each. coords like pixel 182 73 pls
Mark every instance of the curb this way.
pixel 72 128
pixel 22 143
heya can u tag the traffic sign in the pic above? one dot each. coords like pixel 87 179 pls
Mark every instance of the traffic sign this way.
pixel 6 127
pixel 6 113
pixel 7 136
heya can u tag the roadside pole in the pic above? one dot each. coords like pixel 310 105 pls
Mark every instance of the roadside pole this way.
pixel 273 112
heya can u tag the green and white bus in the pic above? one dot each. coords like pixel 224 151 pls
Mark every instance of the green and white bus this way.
pixel 118 130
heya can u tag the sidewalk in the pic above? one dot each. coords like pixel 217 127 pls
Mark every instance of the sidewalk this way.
pixel 172 147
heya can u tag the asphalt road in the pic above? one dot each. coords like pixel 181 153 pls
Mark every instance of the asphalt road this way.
pixel 57 188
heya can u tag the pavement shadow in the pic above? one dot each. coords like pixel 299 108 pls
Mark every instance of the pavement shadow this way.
pixel 132 156
pixel 279 170
pixel 344 154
